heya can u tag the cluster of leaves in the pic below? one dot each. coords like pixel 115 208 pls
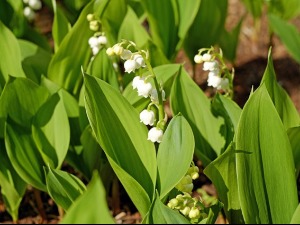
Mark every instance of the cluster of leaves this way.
pixel 61 106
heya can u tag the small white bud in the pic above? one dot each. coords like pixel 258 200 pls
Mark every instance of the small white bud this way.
pixel 198 59
pixel 147 117
pixel 206 57
pixel 118 50
pixel 155 134
pixel 90 17
pixel 94 26
pixel 29 13
pixel 110 51
pixel 194 213
pixel 35 4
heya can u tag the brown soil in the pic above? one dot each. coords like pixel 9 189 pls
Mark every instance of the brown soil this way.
pixel 249 67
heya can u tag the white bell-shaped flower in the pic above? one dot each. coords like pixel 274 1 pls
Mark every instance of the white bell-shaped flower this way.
pixel 110 51
pixel 29 13
pixel 35 4
pixel 130 65
pixel 154 95
pixel 95 50
pixel 211 65
pixel 147 117
pixel 93 42
pixel 139 60
pixel 155 134
pixel 198 59
pixel 214 80
pixel 126 54
pixel 135 82
pixel 102 40
pixel 144 89
pixel 206 57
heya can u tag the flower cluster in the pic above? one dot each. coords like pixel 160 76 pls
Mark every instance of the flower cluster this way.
pixel 219 76
pixel 136 60
pixel 98 40
pixel 186 183
pixel 190 207
pixel 30 8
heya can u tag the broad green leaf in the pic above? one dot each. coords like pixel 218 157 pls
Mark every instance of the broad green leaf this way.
pixel 230 111
pixel 284 9
pixel 102 67
pixel 133 30
pixel 229 41
pixel 254 7
pixel 177 146
pixel 91 207
pixel 12 186
pixel 296 216
pixel 24 95
pixel 261 133
pixel 283 103
pixel 24 155
pixel 35 60
pixel 189 100
pixel 288 34
pixel 119 132
pixel 73 53
pixel 63 187
pixel 294 136
pixel 162 214
pixel 222 173
pixel 165 75
pixel 60 27
pixel 10 57
pixel 163 21
pixel 51 131
pixel 207 26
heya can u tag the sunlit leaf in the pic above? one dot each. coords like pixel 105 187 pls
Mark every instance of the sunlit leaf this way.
pixel 177 146
pixel 262 136
pixel 189 100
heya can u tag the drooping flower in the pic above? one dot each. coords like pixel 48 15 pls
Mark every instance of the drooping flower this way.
pixel 130 65
pixel 155 134
pixel 118 50
pixel 35 4
pixel 147 117
pixel 206 57
pixel 214 80
pixel 102 40
pixel 198 59
pixel 29 13
pixel 211 65
pixel 126 54
pixel 194 213
pixel 144 89
pixel 139 60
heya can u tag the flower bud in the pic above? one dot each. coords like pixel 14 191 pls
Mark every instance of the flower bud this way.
pixel 198 59
pixel 155 134
pixel 129 65
pixel 35 4
pixel 110 51
pixel 185 211
pixel 194 175
pixel 186 179
pixel 29 13
pixel 173 203
pixel 94 26
pixel 206 57
pixel 90 17
pixel 194 213
pixel 118 50
pixel 147 117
